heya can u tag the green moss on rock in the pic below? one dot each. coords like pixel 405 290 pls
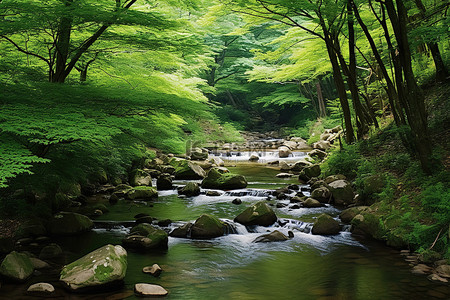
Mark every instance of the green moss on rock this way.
pixel 206 227
pixel 16 266
pixel 257 214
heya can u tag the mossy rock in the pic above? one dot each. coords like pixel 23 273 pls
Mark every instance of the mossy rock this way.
pixel 206 227
pixel 67 223
pixel 219 179
pixel 60 202
pixel 348 214
pixel 102 267
pixel 139 177
pixel 185 169
pixel 182 231
pixel 322 194
pixel 16 266
pixel 325 225
pixel 145 193
pixel 368 224
pixel 311 203
pixel 191 189
pixel 257 214
pixel 312 171
pixel 145 237
pixel 342 192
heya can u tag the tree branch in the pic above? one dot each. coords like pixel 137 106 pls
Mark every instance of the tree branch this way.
pixel 23 50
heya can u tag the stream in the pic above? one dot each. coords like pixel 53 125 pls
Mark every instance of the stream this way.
pixel 233 267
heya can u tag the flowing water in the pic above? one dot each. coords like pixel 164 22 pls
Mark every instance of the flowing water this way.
pixel 233 267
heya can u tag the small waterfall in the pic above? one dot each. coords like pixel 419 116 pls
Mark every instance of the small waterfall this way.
pixel 251 193
pixel 264 155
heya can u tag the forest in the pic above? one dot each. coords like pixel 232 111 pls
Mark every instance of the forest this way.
pixel 224 140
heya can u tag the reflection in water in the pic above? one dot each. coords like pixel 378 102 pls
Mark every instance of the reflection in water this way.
pixel 233 267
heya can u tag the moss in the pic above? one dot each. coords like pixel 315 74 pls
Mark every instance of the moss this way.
pixel 207 226
pixel 102 273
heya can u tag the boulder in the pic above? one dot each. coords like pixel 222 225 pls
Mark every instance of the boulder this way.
pixel 297 140
pixel 39 264
pixel 274 236
pixel 284 166
pixel 154 270
pixel 237 201
pixel 322 145
pixel 145 193
pixel 336 129
pixel 312 171
pixel 300 165
pixel 191 189
pixel 253 158
pixel 185 169
pixel 68 223
pixel 311 203
pixel 367 223
pixel 348 214
pixel 213 193
pixel 342 192
pixel 318 153
pixel 182 231
pixel 41 288
pixel 284 151
pixel 218 179
pixel 139 177
pixel 164 182
pixel 105 266
pixel 257 214
pixel 199 154
pixel 16 266
pixel 332 178
pixel 149 290
pixel 322 194
pixel 325 225
pixel 50 251
pixel 206 227
pixel 145 237
pixel 216 162
pixel 443 270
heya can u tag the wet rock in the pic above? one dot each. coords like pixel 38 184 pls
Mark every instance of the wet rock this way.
pixel 144 219
pixel 154 270
pixel 16 266
pixel 274 236
pixel 41 288
pixel 443 271
pixel 321 194
pixel 182 231
pixel 185 169
pixel 164 223
pixel 191 189
pixel 50 251
pixel 207 227
pixel 295 206
pixel 436 277
pixel 149 290
pixel 257 214
pixel 144 237
pixel 293 187
pixel 217 179
pixel 368 224
pixel 281 205
pixel 312 171
pixel 297 199
pixel 145 193
pixel 284 151
pixel 282 196
pixel 325 225
pixel 139 177
pixel 67 223
pixel 317 184
pixel 39 264
pixel 421 269
pixel 213 193
pixel 253 158
pixel 236 201
pixel 104 266
pixel 311 203
pixel 164 182
pixel 342 192
pixel 216 162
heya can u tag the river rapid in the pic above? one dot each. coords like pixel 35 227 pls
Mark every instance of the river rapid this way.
pixel 233 266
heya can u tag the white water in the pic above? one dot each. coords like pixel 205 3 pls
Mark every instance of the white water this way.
pixel 265 156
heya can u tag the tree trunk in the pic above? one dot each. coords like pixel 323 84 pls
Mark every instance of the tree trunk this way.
pixel 62 46
pixel 322 110
pixel 416 112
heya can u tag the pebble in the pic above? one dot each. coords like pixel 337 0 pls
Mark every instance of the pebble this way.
pixel 41 287
pixel 154 270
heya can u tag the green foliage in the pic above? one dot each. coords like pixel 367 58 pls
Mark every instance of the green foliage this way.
pixel 345 161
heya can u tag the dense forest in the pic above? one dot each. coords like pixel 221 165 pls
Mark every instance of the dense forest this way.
pixel 96 95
